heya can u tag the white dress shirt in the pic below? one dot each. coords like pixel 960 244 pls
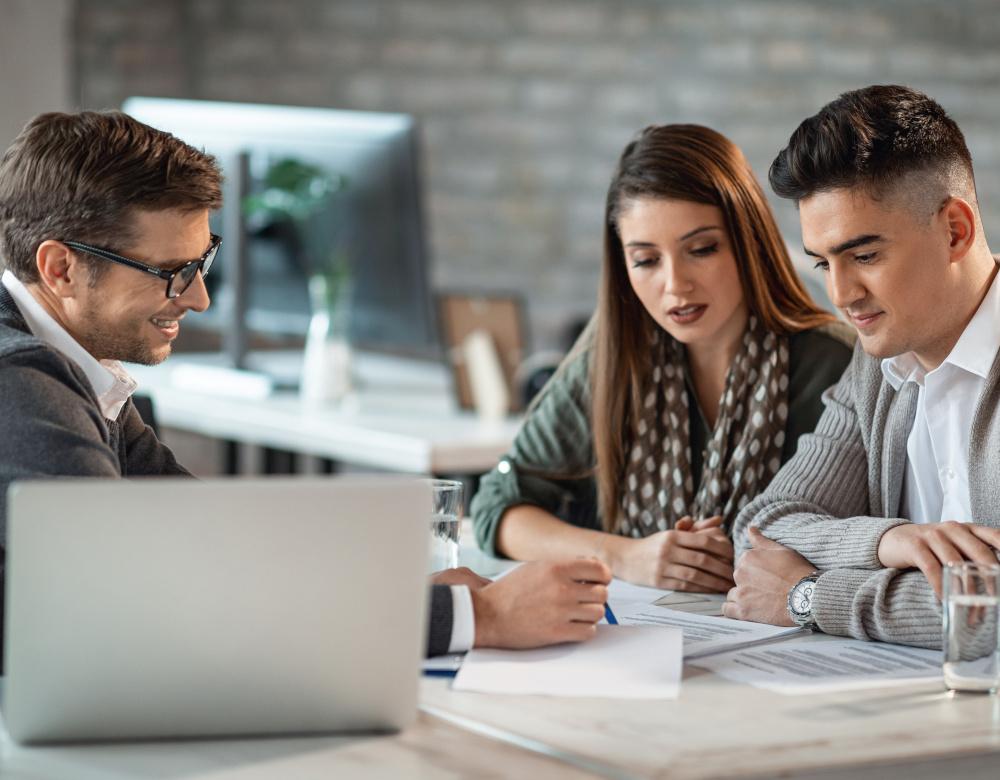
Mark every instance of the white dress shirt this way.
pixel 111 382
pixel 936 484
pixel 463 627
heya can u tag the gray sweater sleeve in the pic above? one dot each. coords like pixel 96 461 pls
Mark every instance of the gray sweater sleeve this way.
pixel 886 605
pixel 820 505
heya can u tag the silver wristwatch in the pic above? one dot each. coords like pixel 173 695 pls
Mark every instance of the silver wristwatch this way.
pixel 800 599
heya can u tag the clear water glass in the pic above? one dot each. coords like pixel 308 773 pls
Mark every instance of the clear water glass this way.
pixel 970 607
pixel 446 523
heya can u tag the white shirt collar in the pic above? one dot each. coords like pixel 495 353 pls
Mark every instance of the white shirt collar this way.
pixel 974 351
pixel 111 382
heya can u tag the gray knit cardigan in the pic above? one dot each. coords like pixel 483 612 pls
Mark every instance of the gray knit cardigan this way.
pixel 841 491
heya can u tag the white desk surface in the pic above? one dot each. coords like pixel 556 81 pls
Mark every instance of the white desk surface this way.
pixel 403 418
pixel 431 749
pixel 721 729
pixel 716 728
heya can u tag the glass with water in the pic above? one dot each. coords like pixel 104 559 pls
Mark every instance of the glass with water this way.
pixel 970 607
pixel 446 520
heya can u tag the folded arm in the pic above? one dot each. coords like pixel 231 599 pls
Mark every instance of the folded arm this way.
pixel 819 503
pixel 820 506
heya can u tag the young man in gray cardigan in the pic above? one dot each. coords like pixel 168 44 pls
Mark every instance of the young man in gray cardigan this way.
pixel 902 474
pixel 105 236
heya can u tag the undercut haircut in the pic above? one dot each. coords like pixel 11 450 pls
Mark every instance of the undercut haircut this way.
pixel 82 176
pixel 882 140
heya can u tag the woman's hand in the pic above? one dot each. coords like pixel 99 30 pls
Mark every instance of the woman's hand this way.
pixel 707 525
pixel 695 557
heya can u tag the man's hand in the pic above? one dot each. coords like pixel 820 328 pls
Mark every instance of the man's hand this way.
pixel 461 576
pixel 930 547
pixel 541 604
pixel 692 557
pixel 764 575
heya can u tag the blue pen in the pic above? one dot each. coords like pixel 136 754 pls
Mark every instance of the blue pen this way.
pixel 609 615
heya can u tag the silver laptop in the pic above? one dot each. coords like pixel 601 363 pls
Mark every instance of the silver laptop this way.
pixel 172 607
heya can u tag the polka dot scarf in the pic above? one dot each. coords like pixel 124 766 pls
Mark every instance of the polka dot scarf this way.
pixel 744 449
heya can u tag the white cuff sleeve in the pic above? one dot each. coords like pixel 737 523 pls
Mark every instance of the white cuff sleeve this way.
pixel 463 627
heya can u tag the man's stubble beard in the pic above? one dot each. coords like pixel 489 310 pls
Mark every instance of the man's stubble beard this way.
pixel 120 341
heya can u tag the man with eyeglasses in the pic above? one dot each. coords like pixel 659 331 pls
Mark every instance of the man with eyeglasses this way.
pixel 104 232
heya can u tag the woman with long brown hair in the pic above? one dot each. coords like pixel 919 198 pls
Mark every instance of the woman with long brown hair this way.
pixel 704 363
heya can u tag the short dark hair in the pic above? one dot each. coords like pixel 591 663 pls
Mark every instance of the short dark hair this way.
pixel 870 138
pixel 80 176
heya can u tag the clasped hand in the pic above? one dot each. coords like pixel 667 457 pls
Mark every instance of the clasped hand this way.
pixel 692 556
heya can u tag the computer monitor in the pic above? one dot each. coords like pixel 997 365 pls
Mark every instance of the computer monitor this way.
pixel 369 220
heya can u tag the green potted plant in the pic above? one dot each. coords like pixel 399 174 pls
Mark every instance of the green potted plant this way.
pixel 295 204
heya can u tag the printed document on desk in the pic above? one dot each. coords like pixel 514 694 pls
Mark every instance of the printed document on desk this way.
pixel 704 635
pixel 815 665
pixel 624 596
pixel 621 662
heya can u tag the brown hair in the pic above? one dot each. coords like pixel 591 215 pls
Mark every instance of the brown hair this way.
pixel 80 176
pixel 870 138
pixel 691 163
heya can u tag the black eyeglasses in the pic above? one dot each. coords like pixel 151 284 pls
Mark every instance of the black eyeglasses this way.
pixel 177 280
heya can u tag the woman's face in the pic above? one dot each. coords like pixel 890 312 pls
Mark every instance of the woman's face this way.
pixel 681 266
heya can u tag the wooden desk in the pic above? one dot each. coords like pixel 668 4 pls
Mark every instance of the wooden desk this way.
pixel 402 418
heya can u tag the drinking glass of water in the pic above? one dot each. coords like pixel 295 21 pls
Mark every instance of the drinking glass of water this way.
pixel 970 606
pixel 446 520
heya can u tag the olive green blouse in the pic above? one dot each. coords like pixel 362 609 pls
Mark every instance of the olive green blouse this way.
pixel 556 436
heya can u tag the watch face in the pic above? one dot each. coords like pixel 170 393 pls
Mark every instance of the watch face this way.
pixel 802 598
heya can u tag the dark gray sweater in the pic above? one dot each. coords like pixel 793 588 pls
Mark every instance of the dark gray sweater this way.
pixel 52 422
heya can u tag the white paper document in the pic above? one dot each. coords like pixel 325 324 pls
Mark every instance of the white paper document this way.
pixel 621 592
pixel 621 662
pixel 805 666
pixel 704 635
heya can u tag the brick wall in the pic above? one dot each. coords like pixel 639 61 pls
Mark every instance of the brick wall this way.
pixel 526 105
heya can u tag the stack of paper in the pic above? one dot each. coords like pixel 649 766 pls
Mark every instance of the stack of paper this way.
pixel 621 662
pixel 824 666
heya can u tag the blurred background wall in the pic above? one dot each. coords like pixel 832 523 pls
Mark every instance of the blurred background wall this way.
pixel 525 106
pixel 36 55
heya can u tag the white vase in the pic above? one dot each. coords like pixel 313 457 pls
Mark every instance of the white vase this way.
pixel 326 364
